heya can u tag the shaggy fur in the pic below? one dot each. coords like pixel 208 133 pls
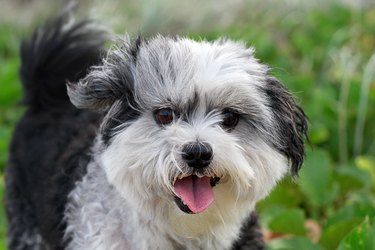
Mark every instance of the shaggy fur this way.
pixel 105 176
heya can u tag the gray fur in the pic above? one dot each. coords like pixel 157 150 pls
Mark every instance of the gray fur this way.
pixel 111 175
pixel 141 159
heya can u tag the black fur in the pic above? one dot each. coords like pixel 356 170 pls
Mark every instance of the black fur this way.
pixel 52 56
pixel 50 126
pixel 251 237
pixel 33 184
pixel 118 115
pixel 110 90
pixel 292 123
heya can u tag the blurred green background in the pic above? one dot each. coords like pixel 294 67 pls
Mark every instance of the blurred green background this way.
pixel 324 51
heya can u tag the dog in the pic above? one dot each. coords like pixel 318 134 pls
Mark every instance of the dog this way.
pixel 158 143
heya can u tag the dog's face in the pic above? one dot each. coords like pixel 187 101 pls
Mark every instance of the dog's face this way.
pixel 192 127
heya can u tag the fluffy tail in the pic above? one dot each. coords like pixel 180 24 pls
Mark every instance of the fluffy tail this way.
pixel 62 50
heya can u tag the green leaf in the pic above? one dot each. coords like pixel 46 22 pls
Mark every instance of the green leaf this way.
pixel 351 211
pixel 315 178
pixel 267 214
pixel 367 163
pixel 358 238
pixel 284 194
pixel 294 243
pixel 319 135
pixel 371 238
pixel 351 178
pixel 290 221
pixel 10 88
pixel 332 235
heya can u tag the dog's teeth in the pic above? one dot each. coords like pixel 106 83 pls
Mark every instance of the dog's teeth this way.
pixel 181 176
pixel 200 175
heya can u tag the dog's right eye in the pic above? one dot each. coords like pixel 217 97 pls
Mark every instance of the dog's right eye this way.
pixel 164 116
pixel 230 119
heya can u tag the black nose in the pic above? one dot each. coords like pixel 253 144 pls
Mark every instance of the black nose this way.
pixel 197 155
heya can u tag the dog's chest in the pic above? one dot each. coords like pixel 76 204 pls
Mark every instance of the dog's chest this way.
pixel 99 218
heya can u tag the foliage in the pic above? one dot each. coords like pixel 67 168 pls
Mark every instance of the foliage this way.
pixel 324 56
pixel 10 93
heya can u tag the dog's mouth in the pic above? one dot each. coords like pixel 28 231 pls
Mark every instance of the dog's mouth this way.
pixel 194 194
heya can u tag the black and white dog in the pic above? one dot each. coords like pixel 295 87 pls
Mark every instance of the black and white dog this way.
pixel 165 143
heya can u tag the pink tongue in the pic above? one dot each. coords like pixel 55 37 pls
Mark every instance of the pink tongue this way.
pixel 195 192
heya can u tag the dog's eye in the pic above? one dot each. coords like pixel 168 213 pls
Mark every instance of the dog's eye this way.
pixel 164 116
pixel 230 119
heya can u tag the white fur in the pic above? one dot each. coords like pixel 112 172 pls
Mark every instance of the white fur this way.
pixel 126 200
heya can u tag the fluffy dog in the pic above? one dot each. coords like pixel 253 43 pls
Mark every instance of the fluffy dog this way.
pixel 164 143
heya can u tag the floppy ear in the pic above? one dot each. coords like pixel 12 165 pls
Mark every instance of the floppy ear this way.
pixel 100 89
pixel 102 86
pixel 291 120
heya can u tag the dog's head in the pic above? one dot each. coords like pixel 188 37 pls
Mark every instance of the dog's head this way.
pixel 194 126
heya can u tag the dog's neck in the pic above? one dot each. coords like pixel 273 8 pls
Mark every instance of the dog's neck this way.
pixel 98 217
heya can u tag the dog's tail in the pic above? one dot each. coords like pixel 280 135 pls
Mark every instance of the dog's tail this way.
pixel 62 50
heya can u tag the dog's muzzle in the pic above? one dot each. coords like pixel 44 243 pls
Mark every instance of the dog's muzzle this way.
pixel 194 193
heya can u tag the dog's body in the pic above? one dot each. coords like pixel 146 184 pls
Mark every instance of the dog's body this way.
pixel 183 139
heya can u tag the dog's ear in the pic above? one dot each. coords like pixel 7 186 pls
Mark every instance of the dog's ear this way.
pixel 292 121
pixel 104 84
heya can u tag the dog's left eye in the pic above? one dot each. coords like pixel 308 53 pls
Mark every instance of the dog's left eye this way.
pixel 230 119
pixel 164 116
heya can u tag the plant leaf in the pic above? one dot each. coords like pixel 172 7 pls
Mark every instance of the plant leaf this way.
pixel 332 235
pixel 289 221
pixel 294 243
pixel 358 238
pixel 315 177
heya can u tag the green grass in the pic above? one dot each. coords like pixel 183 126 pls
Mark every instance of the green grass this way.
pixel 324 56
pixel 10 93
